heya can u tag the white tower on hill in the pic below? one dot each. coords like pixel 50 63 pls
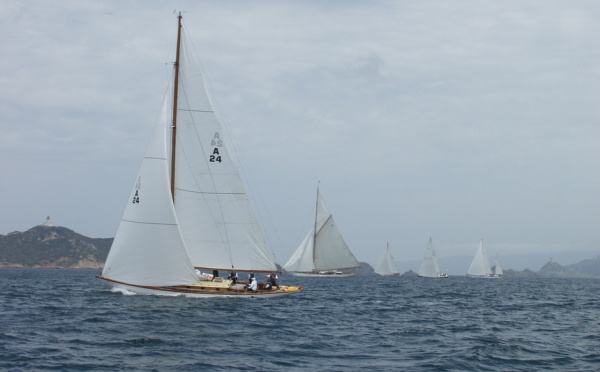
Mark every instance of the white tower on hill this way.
pixel 48 222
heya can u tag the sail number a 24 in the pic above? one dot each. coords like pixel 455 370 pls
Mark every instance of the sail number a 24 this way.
pixel 138 186
pixel 215 144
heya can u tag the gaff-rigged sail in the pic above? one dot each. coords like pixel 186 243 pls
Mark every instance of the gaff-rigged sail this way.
pixel 325 250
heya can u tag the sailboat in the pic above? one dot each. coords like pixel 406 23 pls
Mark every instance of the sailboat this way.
pixel 497 269
pixel 323 253
pixel 387 266
pixel 188 216
pixel 430 267
pixel 480 267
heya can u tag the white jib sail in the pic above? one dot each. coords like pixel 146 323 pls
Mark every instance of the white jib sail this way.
pixel 302 259
pixel 148 248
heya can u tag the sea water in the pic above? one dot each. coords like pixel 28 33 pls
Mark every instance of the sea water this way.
pixel 69 320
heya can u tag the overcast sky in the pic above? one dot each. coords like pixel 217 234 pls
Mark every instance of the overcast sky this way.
pixel 458 120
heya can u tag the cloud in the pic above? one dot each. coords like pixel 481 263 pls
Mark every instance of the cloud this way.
pixel 459 120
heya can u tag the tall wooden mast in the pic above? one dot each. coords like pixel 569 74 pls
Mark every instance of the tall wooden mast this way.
pixel 175 88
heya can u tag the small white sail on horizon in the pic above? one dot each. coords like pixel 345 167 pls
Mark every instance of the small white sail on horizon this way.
pixel 323 252
pixel 387 266
pixel 480 266
pixel 430 267
pixel 497 269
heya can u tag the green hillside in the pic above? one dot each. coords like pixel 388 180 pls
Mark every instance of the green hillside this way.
pixel 52 247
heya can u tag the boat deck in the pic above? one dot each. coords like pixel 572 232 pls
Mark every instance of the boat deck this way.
pixel 206 288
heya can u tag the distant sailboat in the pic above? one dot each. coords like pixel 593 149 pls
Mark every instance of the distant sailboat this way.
pixel 386 265
pixel 430 267
pixel 480 267
pixel 323 252
pixel 497 269
pixel 188 210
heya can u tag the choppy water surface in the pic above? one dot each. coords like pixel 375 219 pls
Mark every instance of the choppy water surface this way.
pixel 69 320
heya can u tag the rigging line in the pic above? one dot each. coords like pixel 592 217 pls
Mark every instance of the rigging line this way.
pixel 169 70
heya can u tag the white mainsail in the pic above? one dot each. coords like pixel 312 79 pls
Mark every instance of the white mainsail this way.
pixel 430 268
pixel 386 265
pixel 215 217
pixel 480 265
pixel 148 248
pixel 323 251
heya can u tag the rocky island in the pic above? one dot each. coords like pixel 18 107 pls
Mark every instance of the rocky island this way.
pixel 49 246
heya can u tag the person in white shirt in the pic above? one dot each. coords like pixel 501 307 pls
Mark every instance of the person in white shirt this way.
pixel 253 285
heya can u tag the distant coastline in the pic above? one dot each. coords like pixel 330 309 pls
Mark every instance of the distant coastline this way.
pixel 54 247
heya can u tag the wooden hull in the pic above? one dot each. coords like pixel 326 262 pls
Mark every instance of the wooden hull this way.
pixel 200 290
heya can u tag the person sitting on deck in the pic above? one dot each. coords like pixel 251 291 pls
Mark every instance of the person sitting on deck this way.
pixel 273 280
pixel 252 286
pixel 233 277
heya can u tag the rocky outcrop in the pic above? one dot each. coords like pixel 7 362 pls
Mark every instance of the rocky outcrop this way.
pixel 52 247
